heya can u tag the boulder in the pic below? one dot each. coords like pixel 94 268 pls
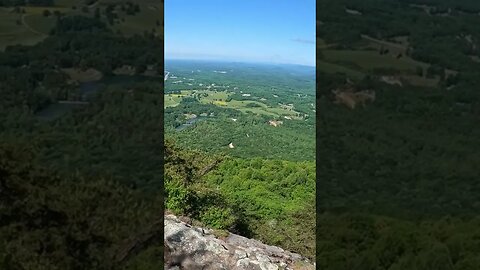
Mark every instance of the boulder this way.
pixel 188 247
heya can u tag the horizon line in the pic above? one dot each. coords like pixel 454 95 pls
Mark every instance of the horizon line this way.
pixel 240 61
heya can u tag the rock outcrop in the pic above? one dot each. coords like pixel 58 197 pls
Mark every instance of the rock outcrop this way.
pixel 348 97
pixel 191 248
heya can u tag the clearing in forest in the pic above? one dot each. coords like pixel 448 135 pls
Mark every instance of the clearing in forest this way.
pixel 27 25
pixel 366 58
pixel 221 98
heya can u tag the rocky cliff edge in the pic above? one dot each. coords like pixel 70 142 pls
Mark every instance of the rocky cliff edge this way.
pixel 191 248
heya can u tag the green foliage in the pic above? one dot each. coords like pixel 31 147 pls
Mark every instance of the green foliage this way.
pixel 90 180
pixel 271 200
pixel 218 217
pixel 434 40
pixel 78 24
pixel 365 241
pixel 150 259
pixel 399 178
pixel 53 222
pixel 274 197
pixel 177 196
pixel 185 194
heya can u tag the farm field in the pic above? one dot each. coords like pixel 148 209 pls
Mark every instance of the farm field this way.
pixel 337 68
pixel 172 100
pixel 377 57
pixel 358 63
pixel 246 102
pixel 370 60
pixel 30 26
pixel 13 31
pixel 220 98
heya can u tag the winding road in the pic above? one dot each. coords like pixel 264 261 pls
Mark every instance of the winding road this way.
pixel 30 28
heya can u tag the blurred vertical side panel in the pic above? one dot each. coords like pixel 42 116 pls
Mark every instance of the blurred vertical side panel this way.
pixel 398 135
pixel 81 134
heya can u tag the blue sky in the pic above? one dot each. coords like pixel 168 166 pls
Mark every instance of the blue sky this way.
pixel 270 31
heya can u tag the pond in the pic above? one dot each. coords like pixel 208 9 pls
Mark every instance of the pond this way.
pixel 88 90
pixel 189 123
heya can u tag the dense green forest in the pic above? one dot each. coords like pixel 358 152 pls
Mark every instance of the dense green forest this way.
pixel 269 200
pixel 398 177
pixel 52 221
pixel 80 158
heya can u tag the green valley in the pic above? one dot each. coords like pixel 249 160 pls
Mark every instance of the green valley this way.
pixel 258 108
pixel 256 124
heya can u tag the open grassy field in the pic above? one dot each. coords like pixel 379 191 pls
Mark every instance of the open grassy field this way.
pixel 369 60
pixel 365 59
pixel 13 31
pixel 40 23
pixel 400 45
pixel 335 68
pixel 36 22
pixel 213 95
pixel 172 100
pixel 39 10
pixel 422 81
pixel 220 99
pixel 262 109
pixel 32 26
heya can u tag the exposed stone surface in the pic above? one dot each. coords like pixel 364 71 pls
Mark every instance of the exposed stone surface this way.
pixel 350 98
pixel 191 248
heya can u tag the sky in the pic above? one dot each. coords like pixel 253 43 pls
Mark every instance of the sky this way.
pixel 267 31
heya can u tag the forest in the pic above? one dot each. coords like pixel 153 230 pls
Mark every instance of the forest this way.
pixel 77 190
pixel 269 200
pixel 397 179
pixel 237 106
pixel 42 3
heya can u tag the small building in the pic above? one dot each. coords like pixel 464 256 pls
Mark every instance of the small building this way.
pixel 275 123
pixel 392 80
pixel 190 116
pixel 353 11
